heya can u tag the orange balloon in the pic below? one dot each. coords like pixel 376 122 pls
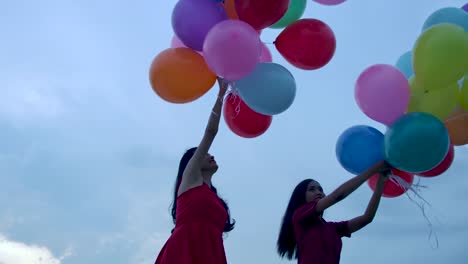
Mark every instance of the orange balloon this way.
pixel 230 9
pixel 180 75
pixel 457 126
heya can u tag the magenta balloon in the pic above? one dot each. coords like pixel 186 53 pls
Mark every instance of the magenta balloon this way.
pixel 232 49
pixel 176 43
pixel 382 92
pixel 265 56
pixel 193 19
pixel 330 2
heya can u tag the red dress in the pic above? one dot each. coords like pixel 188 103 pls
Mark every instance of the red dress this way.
pixel 197 238
pixel 318 241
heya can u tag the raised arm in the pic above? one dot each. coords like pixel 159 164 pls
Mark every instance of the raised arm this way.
pixel 361 221
pixel 192 174
pixel 350 186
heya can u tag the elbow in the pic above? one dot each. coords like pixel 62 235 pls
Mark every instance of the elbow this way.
pixel 367 219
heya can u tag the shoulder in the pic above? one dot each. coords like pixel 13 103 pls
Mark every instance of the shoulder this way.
pixel 305 210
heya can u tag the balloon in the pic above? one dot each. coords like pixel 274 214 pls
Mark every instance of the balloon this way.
pixel 232 49
pixel 457 126
pixel 405 64
pixel 464 94
pixel 393 189
pixel 440 56
pixel 242 120
pixel 359 148
pixel 180 75
pixel 192 20
pixel 465 7
pixel 295 11
pixel 431 101
pixel 230 8
pixel 443 166
pixel 308 44
pixel 266 54
pixel 177 43
pixel 330 2
pixel 416 142
pixel 270 89
pixel 382 93
pixel 261 14
pixel 451 15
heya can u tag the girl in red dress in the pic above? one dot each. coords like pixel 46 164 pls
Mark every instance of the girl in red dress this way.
pixel 306 236
pixel 200 216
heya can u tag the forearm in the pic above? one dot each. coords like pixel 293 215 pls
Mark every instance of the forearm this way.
pixel 374 201
pixel 215 116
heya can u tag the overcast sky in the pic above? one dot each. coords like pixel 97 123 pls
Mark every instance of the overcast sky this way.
pixel 89 153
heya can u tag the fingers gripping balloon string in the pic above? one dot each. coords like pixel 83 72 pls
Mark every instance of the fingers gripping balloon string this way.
pixel 456 117
pixel 416 189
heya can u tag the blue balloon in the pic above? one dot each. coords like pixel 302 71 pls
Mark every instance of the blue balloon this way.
pixel 359 148
pixel 416 142
pixel 450 15
pixel 405 64
pixel 270 89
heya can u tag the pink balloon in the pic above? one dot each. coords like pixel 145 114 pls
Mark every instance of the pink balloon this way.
pixel 266 54
pixel 443 166
pixel 382 93
pixel 232 49
pixel 177 43
pixel 330 2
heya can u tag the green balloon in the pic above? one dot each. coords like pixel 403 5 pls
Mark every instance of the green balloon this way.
pixel 464 94
pixel 295 11
pixel 440 103
pixel 440 56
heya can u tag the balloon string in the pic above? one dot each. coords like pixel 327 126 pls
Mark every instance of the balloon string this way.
pixel 415 189
pixel 235 97
pixel 456 117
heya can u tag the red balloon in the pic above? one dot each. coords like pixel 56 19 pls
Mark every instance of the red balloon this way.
pixel 308 44
pixel 244 122
pixel 443 166
pixel 261 14
pixel 392 189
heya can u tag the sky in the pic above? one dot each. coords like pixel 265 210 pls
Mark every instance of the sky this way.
pixel 89 153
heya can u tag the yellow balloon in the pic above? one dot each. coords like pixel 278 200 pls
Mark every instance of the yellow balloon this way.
pixel 440 56
pixel 440 102
pixel 464 94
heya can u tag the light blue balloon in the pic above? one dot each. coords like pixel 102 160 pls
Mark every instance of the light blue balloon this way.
pixel 405 64
pixel 450 15
pixel 416 142
pixel 270 89
pixel 359 148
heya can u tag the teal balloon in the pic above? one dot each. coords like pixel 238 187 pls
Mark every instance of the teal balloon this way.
pixel 295 11
pixel 416 142
pixel 451 15
pixel 405 64
pixel 270 89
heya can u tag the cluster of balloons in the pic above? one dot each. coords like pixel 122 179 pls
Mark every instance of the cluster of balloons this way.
pixel 423 102
pixel 222 38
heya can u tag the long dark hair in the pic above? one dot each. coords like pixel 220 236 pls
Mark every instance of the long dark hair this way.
pixel 182 165
pixel 286 244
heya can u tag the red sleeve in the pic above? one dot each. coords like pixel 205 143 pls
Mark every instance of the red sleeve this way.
pixel 342 228
pixel 306 213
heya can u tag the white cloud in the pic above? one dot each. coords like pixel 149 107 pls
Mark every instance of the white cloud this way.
pixel 12 252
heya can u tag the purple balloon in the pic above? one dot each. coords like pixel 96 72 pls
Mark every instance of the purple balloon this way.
pixel 193 19
pixel 383 93
pixel 465 7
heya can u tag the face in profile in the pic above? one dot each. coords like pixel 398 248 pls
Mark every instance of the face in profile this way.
pixel 209 163
pixel 314 192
